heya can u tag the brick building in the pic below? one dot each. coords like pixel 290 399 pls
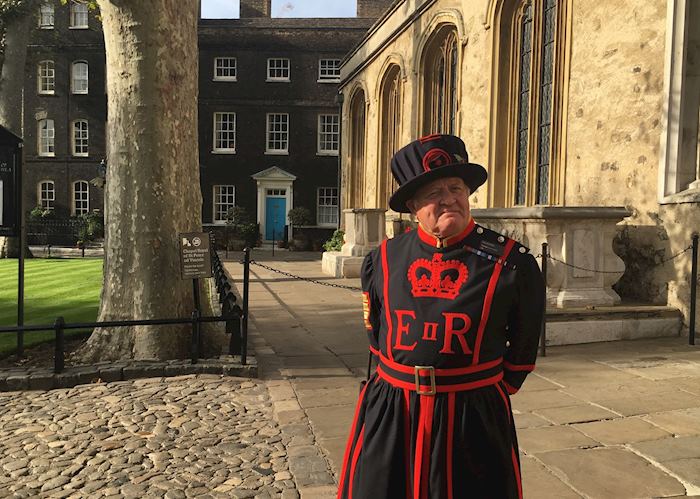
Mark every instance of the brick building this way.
pixel 65 109
pixel 268 113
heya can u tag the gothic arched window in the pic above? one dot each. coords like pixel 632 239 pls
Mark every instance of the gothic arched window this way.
pixel 440 70
pixel 390 132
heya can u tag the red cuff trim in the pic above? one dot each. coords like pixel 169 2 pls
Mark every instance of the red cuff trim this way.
pixel 511 390
pixel 374 351
pixel 519 367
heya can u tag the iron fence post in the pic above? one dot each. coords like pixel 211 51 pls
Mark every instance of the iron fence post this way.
pixel 543 335
pixel 58 359
pixel 244 320
pixel 693 290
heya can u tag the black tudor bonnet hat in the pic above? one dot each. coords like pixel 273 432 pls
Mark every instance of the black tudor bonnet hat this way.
pixel 430 158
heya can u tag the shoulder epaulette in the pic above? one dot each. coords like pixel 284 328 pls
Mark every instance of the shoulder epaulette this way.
pixel 492 245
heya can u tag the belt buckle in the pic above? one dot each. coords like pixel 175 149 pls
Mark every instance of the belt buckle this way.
pixel 416 372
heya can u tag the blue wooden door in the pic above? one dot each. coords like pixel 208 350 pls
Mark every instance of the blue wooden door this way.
pixel 275 217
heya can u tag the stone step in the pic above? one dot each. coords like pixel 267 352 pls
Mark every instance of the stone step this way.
pixel 624 322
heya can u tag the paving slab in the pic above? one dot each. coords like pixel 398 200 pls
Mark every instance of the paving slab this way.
pixel 612 473
pixel 549 438
pixel 669 449
pixel 621 431
pixel 683 422
pixel 539 482
pixel 579 413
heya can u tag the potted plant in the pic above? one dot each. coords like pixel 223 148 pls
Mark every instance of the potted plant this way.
pixel 299 217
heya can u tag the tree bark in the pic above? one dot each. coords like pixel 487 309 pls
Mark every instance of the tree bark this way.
pixel 152 189
pixel 12 79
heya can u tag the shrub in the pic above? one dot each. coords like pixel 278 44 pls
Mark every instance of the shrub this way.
pixel 299 216
pixel 335 243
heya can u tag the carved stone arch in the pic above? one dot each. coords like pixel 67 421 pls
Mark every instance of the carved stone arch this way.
pixel 443 26
pixel 390 125
pixel 393 59
pixel 524 175
pixel 357 111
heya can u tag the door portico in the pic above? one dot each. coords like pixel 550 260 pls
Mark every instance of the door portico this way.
pixel 274 200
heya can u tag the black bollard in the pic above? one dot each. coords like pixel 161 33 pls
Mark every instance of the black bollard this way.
pixel 693 290
pixel 543 336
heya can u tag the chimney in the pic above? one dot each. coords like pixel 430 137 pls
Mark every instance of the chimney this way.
pixel 372 9
pixel 255 8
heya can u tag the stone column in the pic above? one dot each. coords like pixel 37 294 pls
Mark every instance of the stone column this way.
pixel 364 231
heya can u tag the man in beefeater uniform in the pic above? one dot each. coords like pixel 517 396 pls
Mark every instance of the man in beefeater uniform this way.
pixel 453 312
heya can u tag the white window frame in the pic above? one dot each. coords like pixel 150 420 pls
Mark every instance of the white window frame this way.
pixel 217 202
pixel 231 68
pixel 46 72
pixel 46 139
pixel 81 196
pixel 328 74
pixel 334 137
pixel 48 202
pixel 79 83
pixel 231 137
pixel 47 17
pixel 272 65
pixel 80 138
pixel 322 193
pixel 79 15
pixel 283 132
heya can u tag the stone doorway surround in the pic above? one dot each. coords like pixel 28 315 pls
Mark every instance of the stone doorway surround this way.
pixel 272 178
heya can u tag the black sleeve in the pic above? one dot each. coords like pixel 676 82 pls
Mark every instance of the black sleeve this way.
pixel 524 323
pixel 371 305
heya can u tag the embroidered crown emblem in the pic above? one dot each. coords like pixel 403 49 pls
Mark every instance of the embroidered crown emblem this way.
pixel 437 278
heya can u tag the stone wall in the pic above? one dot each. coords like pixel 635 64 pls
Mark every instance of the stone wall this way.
pixel 613 120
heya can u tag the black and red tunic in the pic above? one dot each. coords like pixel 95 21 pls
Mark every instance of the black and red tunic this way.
pixel 454 325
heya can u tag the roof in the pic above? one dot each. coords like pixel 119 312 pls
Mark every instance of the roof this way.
pixel 7 137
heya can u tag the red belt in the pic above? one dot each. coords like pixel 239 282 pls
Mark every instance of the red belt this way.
pixel 429 380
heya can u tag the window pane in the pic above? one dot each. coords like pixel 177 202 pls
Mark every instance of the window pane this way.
pixel 47 77
pixel 47 195
pixel 329 70
pixel 80 77
pixel 81 198
pixel 277 132
pixel 78 14
pixel 278 69
pixel 46 15
pixel 328 133
pixel 46 138
pixel 545 114
pixel 225 131
pixel 327 206
pixel 80 138
pixel 523 105
pixel 225 68
pixel 224 200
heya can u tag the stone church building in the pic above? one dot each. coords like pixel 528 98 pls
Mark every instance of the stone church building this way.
pixel 585 115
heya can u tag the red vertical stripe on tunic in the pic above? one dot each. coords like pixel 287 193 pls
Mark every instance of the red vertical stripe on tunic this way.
pixel 355 457
pixel 513 455
pixel 488 300
pixel 450 438
pixel 407 439
pixel 385 273
pixel 348 447
pixel 421 468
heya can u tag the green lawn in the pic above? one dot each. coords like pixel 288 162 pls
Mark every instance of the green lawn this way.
pixel 52 287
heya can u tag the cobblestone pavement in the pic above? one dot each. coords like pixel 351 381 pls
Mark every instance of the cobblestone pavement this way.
pixel 187 436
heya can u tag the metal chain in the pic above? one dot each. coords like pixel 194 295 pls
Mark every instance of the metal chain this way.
pixel 662 262
pixel 354 288
pixel 307 279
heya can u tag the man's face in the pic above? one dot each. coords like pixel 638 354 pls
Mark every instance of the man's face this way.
pixel 442 206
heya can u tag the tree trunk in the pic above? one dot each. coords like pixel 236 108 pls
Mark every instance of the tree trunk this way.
pixel 12 79
pixel 152 189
